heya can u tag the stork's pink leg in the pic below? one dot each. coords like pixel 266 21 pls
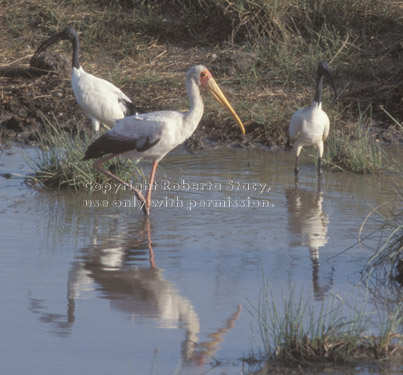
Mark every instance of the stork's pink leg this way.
pixel 150 185
pixel 98 165
pixel 149 242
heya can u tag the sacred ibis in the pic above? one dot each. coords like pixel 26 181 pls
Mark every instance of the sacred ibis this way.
pixel 100 100
pixel 152 135
pixel 310 126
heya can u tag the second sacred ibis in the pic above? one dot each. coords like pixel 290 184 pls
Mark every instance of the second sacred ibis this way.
pixel 310 126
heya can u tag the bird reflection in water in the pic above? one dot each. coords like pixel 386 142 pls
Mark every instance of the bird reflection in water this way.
pixel 308 223
pixel 121 266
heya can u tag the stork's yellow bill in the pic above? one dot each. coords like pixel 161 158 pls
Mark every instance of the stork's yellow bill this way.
pixel 209 82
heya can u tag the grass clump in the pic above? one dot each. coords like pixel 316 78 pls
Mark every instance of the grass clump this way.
pixel 354 149
pixel 293 332
pixel 59 162
pixel 385 266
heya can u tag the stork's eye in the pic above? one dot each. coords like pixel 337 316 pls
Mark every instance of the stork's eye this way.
pixel 204 77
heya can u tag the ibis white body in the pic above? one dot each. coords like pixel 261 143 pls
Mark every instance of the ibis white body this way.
pixel 309 127
pixel 99 99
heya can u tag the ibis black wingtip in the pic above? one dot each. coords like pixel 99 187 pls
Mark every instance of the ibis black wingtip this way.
pixel 130 107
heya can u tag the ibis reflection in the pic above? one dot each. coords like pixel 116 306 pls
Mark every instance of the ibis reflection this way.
pixel 308 223
pixel 121 267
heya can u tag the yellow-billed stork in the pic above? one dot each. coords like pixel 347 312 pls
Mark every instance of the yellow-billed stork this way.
pixel 100 100
pixel 152 135
pixel 310 126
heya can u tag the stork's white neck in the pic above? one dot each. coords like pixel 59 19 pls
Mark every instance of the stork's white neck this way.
pixel 195 113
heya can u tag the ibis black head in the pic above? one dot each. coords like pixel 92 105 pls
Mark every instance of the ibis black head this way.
pixel 323 71
pixel 323 68
pixel 67 34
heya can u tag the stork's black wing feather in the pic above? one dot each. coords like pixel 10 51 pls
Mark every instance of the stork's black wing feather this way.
pixel 112 144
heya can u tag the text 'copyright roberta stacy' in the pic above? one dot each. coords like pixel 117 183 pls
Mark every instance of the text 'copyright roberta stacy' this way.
pixel 181 200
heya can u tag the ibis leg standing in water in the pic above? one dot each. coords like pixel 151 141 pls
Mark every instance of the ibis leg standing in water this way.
pixel 100 100
pixel 152 135
pixel 310 126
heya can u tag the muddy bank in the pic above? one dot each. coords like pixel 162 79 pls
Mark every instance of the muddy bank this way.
pixel 29 97
pixel 32 95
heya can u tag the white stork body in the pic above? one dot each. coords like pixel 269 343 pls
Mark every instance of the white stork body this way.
pixel 310 126
pixel 152 135
pixel 168 127
pixel 100 100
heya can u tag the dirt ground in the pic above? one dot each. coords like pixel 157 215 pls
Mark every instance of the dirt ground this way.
pixel 30 94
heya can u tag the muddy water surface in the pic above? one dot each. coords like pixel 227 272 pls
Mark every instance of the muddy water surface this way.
pixel 89 286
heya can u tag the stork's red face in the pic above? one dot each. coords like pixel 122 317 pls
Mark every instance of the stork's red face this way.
pixel 205 75
pixel 207 80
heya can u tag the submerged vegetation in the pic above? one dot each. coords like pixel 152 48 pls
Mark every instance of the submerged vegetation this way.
pixel 294 333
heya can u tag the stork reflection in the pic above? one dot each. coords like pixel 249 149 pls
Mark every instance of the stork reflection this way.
pixel 308 223
pixel 120 265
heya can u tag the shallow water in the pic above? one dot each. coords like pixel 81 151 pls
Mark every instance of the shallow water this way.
pixel 89 286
